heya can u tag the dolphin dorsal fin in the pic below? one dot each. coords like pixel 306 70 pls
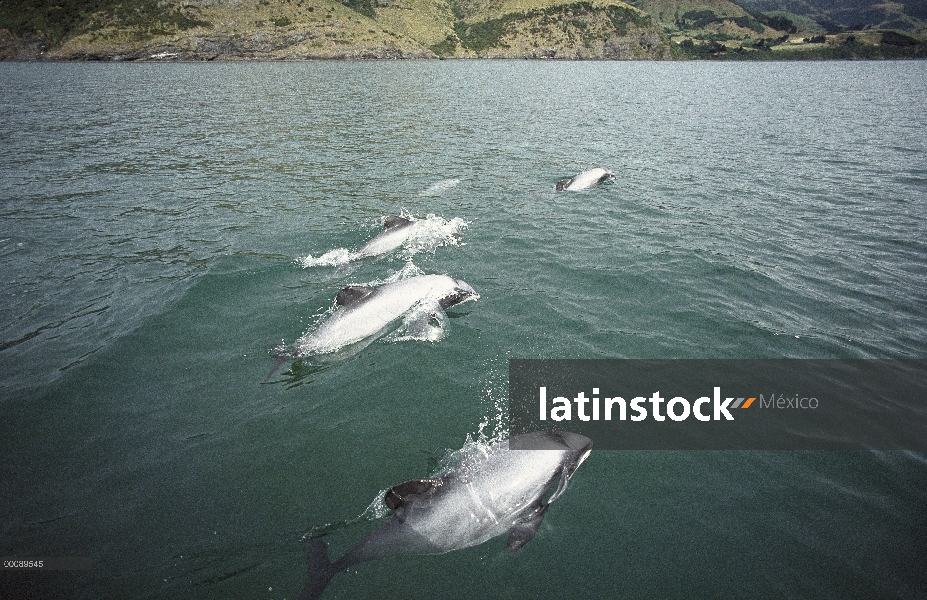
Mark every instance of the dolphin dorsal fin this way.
pixel 352 294
pixel 394 221
pixel 400 494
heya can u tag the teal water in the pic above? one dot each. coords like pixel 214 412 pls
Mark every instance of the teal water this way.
pixel 153 218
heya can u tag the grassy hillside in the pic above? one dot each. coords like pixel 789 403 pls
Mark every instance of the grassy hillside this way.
pixel 909 16
pixel 304 29
pixel 56 20
pixel 544 29
pixel 298 29
pixel 210 29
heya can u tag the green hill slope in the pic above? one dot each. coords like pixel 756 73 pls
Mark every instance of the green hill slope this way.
pixel 301 29
pixel 309 29
pixel 907 16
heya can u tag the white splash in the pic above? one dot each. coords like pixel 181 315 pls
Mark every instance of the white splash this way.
pixel 493 427
pixel 431 233
pixel 408 270
pixel 332 258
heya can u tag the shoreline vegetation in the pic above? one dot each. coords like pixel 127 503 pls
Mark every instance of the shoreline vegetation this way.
pixel 205 30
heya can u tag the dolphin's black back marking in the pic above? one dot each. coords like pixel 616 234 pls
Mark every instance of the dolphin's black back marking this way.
pixel 564 183
pixel 351 294
pixel 394 221
pixel 398 494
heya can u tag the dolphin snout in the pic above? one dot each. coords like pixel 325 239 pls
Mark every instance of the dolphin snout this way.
pixel 576 442
pixel 464 290
pixel 468 294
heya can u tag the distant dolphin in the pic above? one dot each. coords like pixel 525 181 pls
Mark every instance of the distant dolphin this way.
pixel 585 180
pixel 440 186
pixel 490 493
pixel 364 312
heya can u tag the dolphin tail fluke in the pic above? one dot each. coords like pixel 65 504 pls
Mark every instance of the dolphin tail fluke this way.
pixel 320 570
pixel 279 359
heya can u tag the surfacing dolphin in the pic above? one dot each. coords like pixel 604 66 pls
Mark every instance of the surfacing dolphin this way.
pixel 414 235
pixel 488 494
pixel 363 312
pixel 585 180
pixel 396 230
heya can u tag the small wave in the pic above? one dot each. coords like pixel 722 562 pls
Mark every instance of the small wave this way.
pixel 436 188
pixel 493 428
pixel 407 271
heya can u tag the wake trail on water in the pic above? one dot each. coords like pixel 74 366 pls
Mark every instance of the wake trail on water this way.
pixel 377 509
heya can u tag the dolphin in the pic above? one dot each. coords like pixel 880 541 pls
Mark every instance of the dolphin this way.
pixel 585 180
pixel 439 186
pixel 415 234
pixel 364 312
pixel 491 492
pixel 396 230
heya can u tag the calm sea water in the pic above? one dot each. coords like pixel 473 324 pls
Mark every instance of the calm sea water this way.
pixel 152 218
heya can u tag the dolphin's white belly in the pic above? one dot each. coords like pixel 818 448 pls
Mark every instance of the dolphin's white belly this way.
pixel 486 499
pixel 386 241
pixel 588 179
pixel 487 492
pixel 471 518
pixel 351 324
